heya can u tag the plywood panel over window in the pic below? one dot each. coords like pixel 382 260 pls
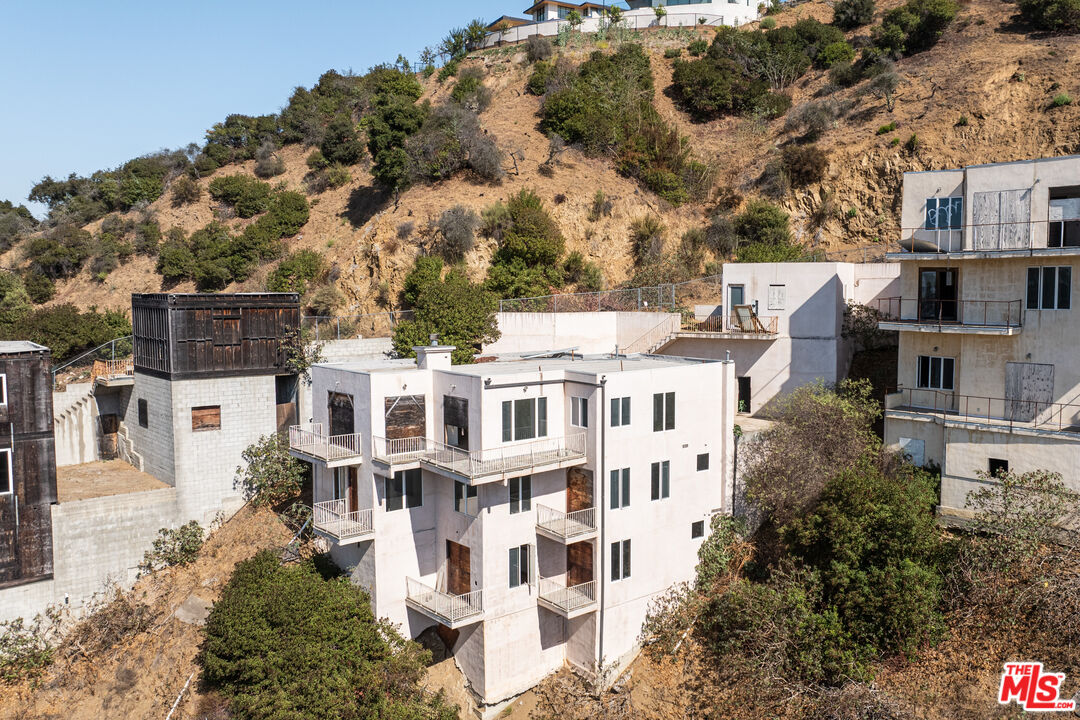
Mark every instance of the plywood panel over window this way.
pixel 207 417
pixel 405 417
pixel 1002 219
pixel 458 575
pixel 1029 390
pixel 579 489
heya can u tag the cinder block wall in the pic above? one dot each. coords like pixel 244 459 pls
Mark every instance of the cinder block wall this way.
pixel 154 442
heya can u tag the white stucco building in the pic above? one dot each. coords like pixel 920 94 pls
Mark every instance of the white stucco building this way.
pixel 988 377
pixel 530 508
pixel 546 17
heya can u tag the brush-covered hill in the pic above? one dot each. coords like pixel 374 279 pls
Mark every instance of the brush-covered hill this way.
pixel 990 89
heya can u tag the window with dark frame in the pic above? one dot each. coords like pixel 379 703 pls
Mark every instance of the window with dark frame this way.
pixel 3 389
pixel 620 411
pixel 703 461
pixel 524 419
pixel 520 494
pixel 661 480
pixel 579 411
pixel 663 411
pixel 697 529
pixel 404 490
pixel 620 488
pixel 935 373
pixel 6 482
pixel 1049 288
pixel 620 560
pixel 144 414
pixel 997 466
pixel 465 499
pixel 519 566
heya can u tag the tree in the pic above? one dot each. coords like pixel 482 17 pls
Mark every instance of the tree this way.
pixel 661 13
pixel 283 643
pixel 461 313
pixel 883 85
pixel 271 475
pixel 574 19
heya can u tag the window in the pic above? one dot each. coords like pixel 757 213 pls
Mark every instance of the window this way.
pixel 697 529
pixel 703 462
pixel 579 411
pixel 207 417
pixel 520 565
pixel 405 489
pixel 3 389
pixel 661 480
pixel 1049 288
pixel 465 500
pixel 620 411
pixel 1064 218
pixel 620 488
pixel 935 373
pixel 620 560
pixel 663 411
pixel 5 472
pixel 564 12
pixel 144 413
pixel 944 213
pixel 524 419
pixel 520 494
pixel 998 466
pixel 777 297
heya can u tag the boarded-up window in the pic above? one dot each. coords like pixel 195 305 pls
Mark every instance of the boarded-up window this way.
pixel 1002 219
pixel 777 297
pixel 144 413
pixel 1029 390
pixel 341 414
pixel 456 421
pixel 405 417
pixel 207 417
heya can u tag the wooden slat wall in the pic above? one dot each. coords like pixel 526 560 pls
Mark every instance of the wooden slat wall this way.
pixel 206 418
pixel 26 427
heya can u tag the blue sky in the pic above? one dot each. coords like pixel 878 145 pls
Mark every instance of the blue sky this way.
pixel 89 85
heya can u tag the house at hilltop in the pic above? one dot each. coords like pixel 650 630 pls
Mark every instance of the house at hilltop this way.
pixel 988 378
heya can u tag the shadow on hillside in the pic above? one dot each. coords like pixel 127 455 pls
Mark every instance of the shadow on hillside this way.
pixel 364 202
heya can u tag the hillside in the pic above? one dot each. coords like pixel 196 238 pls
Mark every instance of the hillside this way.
pixel 997 75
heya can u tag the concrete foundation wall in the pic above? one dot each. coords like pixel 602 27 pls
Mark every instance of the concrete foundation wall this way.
pixel 75 427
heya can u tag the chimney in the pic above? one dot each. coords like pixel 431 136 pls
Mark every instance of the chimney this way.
pixel 433 356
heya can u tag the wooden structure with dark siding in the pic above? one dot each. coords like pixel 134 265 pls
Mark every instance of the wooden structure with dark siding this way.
pixel 28 484
pixel 192 335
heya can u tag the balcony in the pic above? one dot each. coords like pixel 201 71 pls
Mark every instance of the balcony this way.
pixel 311 444
pixel 332 520
pixel 991 412
pixel 566 527
pixel 972 317
pixel 569 602
pixel 981 240
pixel 737 325
pixel 491 465
pixel 453 611
pixel 113 373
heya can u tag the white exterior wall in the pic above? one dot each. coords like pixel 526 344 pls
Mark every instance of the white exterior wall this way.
pixel 588 332
pixel 518 642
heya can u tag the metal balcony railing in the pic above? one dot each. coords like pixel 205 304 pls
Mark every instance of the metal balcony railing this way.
pixel 568 599
pixel 333 518
pixel 1003 412
pixel 311 440
pixel 753 324
pixel 399 450
pixel 509 458
pixel 448 609
pixel 960 313
pixel 566 525
pixel 124 367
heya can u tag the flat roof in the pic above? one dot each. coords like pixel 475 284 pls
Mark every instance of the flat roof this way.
pixel 20 346
pixel 994 164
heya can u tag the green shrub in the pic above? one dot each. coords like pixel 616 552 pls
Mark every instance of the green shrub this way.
pixel 646 238
pixel 451 141
pixel 39 287
pixel 457 226
pixel 913 143
pixel 762 222
pixel 672 53
pixel 538 48
pixel 276 640
pixel 1061 99
pixel 845 74
pixel 601 206
pixel 461 313
pixel 850 14
pixel 147 237
pixel 834 53
pixel 342 143
pixel 914 26
pixel 185 191
pixel 27 648
pixel 294 273
pixel 270 475
pixel 174 547
pixel 538 80
pixel 759 252
pixel 962 121
pixel 470 92
pixel 697 48
pixel 316 160
pixel 246 195
pixel 61 253
pixel 804 164
pixel 886 129
pixel 66 330
pixel 448 70
pixel 267 162
pixel 1055 15
pixel 768 23
pixel 337 175
pixel 530 248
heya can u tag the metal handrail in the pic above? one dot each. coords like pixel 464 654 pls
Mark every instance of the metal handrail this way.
pixel 334 518
pixel 566 598
pixel 508 458
pixel 1004 412
pixel 112 368
pixel 311 440
pixel 445 606
pixel 975 313
pixel 566 524
pixel 652 337
pixel 399 449
pixel 110 343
